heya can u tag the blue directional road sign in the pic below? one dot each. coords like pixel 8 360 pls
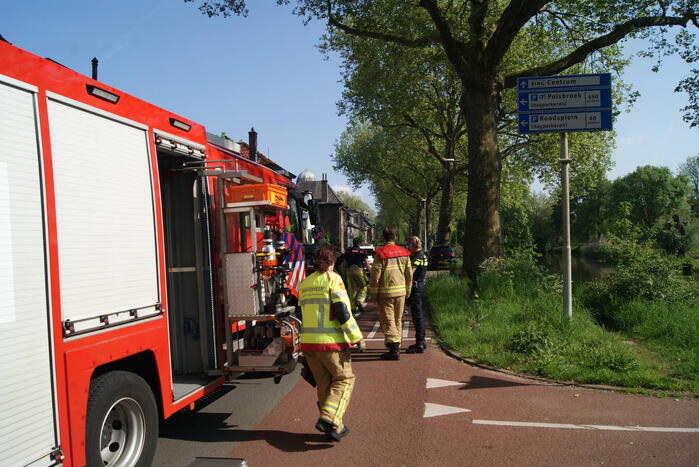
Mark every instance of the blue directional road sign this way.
pixel 554 104
pixel 548 83
pixel 561 100
pixel 557 122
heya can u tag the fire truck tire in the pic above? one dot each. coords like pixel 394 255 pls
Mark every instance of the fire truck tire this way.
pixel 122 421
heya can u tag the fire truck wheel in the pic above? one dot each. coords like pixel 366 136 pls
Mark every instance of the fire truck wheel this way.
pixel 122 421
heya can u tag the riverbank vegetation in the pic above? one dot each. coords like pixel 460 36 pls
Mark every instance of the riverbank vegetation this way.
pixel 639 334
pixel 635 323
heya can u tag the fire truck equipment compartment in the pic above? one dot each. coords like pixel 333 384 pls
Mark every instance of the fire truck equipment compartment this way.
pixel 243 194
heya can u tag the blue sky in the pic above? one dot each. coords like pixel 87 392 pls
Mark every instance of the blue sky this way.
pixel 265 71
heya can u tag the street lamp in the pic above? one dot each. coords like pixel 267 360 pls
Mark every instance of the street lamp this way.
pixel 424 210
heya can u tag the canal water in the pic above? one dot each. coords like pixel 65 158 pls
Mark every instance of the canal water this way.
pixel 583 268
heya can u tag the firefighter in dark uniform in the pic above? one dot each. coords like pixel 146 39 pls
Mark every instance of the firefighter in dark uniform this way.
pixel 418 262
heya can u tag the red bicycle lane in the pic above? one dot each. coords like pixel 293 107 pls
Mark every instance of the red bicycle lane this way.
pixel 428 409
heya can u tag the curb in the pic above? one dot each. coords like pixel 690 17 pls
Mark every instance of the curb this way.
pixel 539 379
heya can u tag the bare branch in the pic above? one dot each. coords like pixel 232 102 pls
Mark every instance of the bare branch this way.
pixel 453 48
pixel 513 18
pixel 426 134
pixel 413 43
pixel 585 50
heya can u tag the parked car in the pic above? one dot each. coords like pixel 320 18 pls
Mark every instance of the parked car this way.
pixel 440 257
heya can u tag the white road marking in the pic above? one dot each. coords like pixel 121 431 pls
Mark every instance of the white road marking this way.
pixel 373 331
pixel 440 383
pixel 587 427
pixel 435 410
pixel 406 327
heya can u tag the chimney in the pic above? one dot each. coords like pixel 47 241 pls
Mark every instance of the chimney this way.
pixel 95 62
pixel 252 144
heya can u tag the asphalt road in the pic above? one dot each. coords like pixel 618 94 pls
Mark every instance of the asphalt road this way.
pixel 224 420
pixel 431 409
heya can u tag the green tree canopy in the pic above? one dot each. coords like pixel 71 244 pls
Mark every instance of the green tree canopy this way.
pixel 482 42
pixel 356 203
pixel 690 169
pixel 652 192
pixel 391 163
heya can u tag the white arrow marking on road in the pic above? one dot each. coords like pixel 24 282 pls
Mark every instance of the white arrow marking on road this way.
pixel 435 410
pixel 440 383
pixel 587 427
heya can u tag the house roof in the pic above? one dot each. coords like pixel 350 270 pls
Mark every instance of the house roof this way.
pixel 362 217
pixel 243 150
pixel 316 188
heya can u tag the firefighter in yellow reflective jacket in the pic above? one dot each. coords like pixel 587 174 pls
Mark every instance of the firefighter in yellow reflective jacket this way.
pixel 391 281
pixel 329 331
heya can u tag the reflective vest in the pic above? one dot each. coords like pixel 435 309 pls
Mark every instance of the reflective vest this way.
pixel 322 330
pixel 391 274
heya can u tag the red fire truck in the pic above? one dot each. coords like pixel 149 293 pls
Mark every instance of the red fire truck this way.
pixel 140 263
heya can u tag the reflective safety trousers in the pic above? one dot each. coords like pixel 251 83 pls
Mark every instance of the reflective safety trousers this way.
pixel 328 324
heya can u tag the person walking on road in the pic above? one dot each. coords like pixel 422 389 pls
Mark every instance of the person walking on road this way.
pixel 418 261
pixel 329 331
pixel 391 281
pixel 356 261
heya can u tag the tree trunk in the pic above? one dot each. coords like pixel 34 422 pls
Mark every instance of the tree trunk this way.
pixel 428 221
pixel 416 219
pixel 482 233
pixel 446 206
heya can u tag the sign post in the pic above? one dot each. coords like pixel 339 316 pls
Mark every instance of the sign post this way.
pixel 562 104
pixel 424 230
pixel 564 161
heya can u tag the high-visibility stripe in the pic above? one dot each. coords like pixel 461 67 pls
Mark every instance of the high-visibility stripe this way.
pixel 392 288
pixel 325 347
pixel 320 315
pixel 344 399
pixel 314 301
pixel 327 331
pixel 336 297
pixel 314 289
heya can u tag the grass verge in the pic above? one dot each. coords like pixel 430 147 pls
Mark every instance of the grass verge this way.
pixel 518 325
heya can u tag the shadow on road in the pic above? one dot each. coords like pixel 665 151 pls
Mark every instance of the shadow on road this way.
pixel 287 441
pixel 200 426
pixel 369 355
pixel 212 427
pixel 482 382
